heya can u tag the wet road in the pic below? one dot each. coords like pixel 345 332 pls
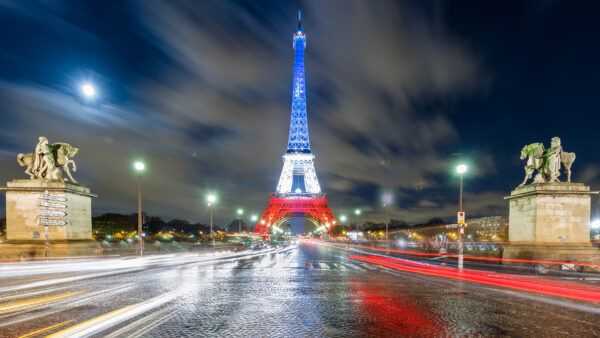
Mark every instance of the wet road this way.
pixel 308 290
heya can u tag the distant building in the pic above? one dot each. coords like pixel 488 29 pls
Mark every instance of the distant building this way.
pixel 492 228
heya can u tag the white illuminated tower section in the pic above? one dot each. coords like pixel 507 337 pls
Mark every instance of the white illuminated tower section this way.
pixel 298 174
pixel 298 192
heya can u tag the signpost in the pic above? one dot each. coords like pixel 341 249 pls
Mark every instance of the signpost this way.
pixel 461 217
pixel 53 198
pixel 50 201
pixel 53 205
pixel 51 221
pixel 52 213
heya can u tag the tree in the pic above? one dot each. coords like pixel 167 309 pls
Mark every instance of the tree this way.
pixel 155 224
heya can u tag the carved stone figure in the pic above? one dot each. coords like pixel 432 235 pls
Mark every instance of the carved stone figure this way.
pixel 547 162
pixel 46 161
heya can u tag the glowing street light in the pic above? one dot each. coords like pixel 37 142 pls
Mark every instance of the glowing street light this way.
pixel 88 90
pixel 211 199
pixel 254 218
pixel 240 212
pixel 357 212
pixel 139 167
pixel 343 218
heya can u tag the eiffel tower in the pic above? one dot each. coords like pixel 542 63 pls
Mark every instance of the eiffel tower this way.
pixel 298 192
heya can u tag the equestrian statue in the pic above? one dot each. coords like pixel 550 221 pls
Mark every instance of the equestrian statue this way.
pixel 547 162
pixel 47 160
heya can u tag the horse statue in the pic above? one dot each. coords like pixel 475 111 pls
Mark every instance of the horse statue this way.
pixel 545 161
pixel 63 152
pixel 533 153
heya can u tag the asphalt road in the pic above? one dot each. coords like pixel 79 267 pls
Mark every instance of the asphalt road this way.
pixel 306 290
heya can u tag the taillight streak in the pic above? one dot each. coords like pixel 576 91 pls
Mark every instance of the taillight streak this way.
pixel 508 281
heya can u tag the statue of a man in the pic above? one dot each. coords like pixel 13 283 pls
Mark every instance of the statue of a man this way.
pixel 553 160
pixel 44 159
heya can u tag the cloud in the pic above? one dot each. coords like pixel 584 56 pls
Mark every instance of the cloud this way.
pixel 214 115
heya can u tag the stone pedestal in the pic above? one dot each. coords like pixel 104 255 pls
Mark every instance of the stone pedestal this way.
pixel 63 208
pixel 551 221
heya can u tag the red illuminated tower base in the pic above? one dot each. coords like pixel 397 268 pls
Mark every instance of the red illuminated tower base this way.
pixel 282 207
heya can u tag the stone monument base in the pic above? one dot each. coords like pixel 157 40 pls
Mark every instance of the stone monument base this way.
pixel 58 248
pixel 550 222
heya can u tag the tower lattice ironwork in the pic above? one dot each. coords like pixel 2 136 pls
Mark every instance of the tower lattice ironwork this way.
pixel 298 190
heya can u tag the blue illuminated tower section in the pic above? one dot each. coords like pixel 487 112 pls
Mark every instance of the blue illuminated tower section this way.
pixel 298 191
pixel 298 177
pixel 298 140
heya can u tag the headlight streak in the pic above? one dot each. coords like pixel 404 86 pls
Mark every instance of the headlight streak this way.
pixel 11 307
pixel 157 318
pixel 47 328
pixel 113 318
pixel 72 303
pixel 553 288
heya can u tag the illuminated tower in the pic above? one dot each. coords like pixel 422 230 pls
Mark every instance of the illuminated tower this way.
pixel 298 191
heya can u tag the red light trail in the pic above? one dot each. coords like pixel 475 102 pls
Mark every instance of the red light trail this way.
pixel 553 288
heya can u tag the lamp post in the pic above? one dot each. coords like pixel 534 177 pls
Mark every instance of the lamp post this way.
pixel 387 200
pixel 139 167
pixel 240 212
pixel 460 169
pixel 211 200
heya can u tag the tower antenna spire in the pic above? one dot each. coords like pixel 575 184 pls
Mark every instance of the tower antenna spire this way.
pixel 299 20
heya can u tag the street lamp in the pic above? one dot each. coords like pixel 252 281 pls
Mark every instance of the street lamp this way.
pixel 240 212
pixel 357 212
pixel 211 200
pixel 387 200
pixel 139 167
pixel 343 218
pixel 460 169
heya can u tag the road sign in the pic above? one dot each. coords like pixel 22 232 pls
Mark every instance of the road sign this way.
pixel 52 213
pixel 49 221
pixel 461 217
pixel 52 205
pixel 53 198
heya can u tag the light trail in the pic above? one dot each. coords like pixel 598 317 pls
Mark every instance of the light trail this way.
pixel 23 304
pixel 48 328
pixel 495 259
pixel 553 288
pixel 110 319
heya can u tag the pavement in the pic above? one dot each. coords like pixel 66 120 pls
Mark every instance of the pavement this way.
pixel 312 289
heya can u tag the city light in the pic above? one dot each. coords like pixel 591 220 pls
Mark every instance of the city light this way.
pixel 596 224
pixel 357 212
pixel 139 166
pixel 386 199
pixel 240 211
pixel 461 168
pixel 254 218
pixel 88 90
pixel 343 218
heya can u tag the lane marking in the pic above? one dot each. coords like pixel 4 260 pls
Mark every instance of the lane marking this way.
pixel 48 328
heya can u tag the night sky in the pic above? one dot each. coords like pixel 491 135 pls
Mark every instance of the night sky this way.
pixel 398 94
